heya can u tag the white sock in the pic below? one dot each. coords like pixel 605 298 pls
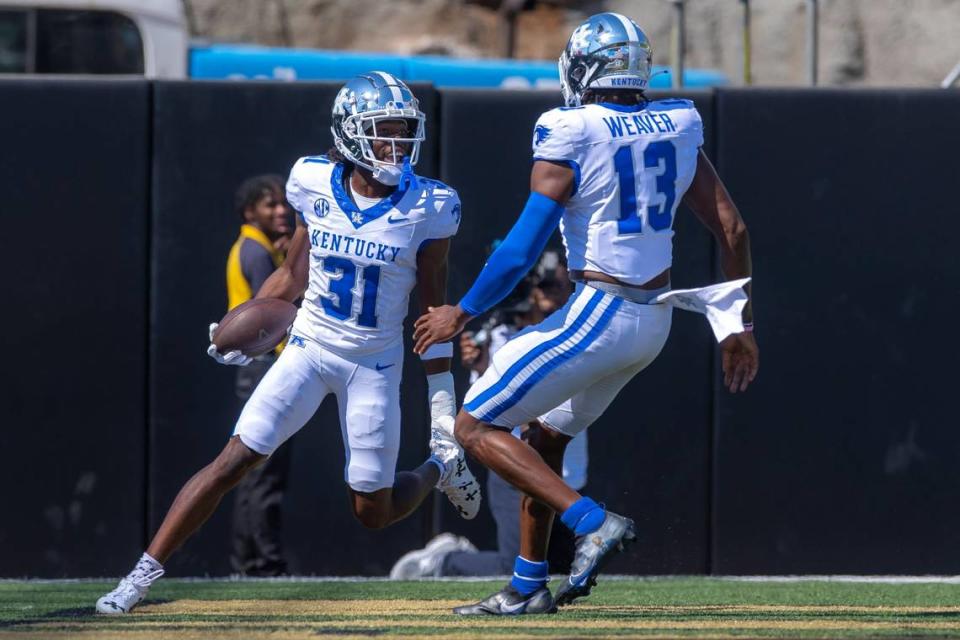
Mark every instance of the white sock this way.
pixel 147 570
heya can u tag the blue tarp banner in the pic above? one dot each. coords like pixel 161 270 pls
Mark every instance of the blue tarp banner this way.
pixel 239 62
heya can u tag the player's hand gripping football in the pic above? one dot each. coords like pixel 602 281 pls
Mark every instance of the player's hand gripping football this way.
pixel 740 359
pixel 438 324
pixel 235 358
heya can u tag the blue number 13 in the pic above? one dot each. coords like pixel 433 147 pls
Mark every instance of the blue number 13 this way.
pixel 342 287
pixel 658 217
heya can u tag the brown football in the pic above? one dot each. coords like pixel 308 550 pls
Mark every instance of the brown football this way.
pixel 254 327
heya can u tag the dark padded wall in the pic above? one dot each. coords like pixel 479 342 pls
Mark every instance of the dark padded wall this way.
pixel 74 165
pixel 650 451
pixel 210 136
pixel 844 456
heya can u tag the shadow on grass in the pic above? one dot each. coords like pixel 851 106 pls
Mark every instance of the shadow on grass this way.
pixel 72 614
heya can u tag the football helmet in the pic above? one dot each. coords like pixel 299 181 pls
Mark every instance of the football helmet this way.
pixel 360 106
pixel 607 51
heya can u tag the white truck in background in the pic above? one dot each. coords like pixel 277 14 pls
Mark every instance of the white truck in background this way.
pixel 94 37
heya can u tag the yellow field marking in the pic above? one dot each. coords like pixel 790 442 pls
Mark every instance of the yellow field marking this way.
pixel 302 607
pixel 310 634
pixel 351 618
pixel 368 608
pixel 520 622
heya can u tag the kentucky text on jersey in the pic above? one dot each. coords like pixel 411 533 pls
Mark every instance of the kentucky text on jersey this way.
pixel 644 123
pixel 353 246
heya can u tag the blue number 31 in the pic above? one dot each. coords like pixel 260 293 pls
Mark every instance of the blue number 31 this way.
pixel 342 287
pixel 658 217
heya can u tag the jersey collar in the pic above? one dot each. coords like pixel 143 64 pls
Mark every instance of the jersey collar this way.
pixel 359 217
pixel 622 108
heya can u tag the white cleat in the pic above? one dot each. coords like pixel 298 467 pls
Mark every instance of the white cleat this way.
pixel 428 562
pixel 130 591
pixel 457 481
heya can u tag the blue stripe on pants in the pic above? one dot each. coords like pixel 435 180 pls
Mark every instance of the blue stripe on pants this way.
pixel 557 360
pixel 533 354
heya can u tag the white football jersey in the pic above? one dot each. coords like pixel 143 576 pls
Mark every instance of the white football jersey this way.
pixel 363 263
pixel 632 167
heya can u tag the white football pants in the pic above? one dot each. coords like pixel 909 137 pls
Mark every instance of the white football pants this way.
pixel 368 397
pixel 568 369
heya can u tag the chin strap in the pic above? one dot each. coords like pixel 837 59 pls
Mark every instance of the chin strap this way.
pixel 393 175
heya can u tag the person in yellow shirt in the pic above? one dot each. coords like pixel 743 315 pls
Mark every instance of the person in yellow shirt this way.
pixel 256 549
pixel 264 235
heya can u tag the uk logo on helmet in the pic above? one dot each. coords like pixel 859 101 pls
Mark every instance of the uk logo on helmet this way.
pixel 321 207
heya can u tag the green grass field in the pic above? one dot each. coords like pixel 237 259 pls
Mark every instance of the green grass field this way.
pixel 654 608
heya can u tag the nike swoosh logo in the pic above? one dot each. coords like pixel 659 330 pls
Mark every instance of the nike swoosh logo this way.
pixel 514 608
pixel 393 220
pixel 386 366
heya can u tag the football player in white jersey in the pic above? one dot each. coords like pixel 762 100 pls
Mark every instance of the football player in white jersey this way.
pixel 611 168
pixel 368 231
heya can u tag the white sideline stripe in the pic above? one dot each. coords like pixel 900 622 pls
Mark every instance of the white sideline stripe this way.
pixel 614 577
pixel 842 578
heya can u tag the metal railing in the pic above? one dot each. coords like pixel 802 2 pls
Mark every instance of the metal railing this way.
pixel 679 38
pixel 952 77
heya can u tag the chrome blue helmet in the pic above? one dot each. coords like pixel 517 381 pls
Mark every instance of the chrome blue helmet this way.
pixel 607 51
pixel 360 105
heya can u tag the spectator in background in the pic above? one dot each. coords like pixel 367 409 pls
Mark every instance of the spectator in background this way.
pixel 267 227
pixel 539 295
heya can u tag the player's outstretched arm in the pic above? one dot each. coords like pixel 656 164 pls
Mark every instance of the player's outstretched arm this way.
pixel 289 281
pixel 551 184
pixel 714 207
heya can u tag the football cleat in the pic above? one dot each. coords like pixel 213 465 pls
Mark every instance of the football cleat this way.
pixel 510 602
pixel 590 553
pixel 131 590
pixel 428 562
pixel 457 481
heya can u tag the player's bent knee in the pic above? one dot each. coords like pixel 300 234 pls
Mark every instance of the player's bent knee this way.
pixel 373 519
pixel 467 430
pixel 235 461
pixel 372 510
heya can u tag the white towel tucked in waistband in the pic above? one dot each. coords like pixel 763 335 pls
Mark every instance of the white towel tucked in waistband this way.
pixel 722 303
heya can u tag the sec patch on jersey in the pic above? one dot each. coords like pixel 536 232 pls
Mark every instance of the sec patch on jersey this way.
pixel 254 327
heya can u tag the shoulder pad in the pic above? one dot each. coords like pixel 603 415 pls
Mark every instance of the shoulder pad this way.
pixel 671 103
pixel 436 189
pixel 557 133
pixel 682 112
pixel 313 172
pixel 571 118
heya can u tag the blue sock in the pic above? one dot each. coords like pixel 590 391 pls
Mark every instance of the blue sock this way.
pixel 439 464
pixel 528 576
pixel 584 516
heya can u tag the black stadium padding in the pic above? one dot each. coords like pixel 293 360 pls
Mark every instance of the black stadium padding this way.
pixel 209 137
pixel 649 454
pixel 844 457
pixel 74 186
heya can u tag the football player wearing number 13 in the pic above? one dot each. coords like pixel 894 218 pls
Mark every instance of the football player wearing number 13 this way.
pixel 368 231
pixel 611 168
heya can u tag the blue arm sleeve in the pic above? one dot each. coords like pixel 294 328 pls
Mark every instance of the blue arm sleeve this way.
pixel 516 254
